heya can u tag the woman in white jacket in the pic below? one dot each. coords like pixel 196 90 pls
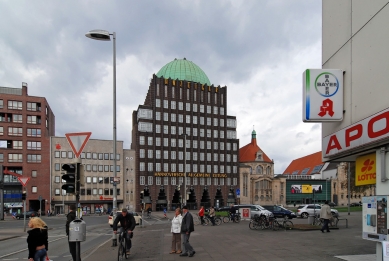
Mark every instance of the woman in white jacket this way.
pixel 176 231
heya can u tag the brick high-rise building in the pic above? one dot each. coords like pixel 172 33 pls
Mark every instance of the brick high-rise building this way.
pixel 182 105
pixel 26 124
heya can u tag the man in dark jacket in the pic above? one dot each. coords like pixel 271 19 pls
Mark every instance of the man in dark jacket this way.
pixel 127 222
pixel 69 218
pixel 187 227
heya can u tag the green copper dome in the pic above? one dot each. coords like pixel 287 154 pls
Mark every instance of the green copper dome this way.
pixel 183 70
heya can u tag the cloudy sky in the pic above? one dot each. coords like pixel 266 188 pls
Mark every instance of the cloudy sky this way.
pixel 258 49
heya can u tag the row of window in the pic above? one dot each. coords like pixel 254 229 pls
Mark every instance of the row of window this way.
pixel 189 156
pixel 18 157
pixel 18 145
pixel 189 143
pixel 90 191
pixel 189 168
pixel 14 131
pixel 189 181
pixel 173 94
pixel 259 170
pixel 148 127
pixel 18 105
pixel 92 167
pixel 190 107
pixel 18 118
pixel 86 155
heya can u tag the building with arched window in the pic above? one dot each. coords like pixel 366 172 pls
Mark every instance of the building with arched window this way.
pixel 257 182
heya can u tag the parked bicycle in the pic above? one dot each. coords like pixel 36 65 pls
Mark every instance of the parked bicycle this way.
pixel 122 249
pixel 234 218
pixel 285 224
pixel 317 221
pixel 259 222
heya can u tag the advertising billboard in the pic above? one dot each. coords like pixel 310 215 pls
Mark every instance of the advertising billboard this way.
pixel 305 189
pixel 365 170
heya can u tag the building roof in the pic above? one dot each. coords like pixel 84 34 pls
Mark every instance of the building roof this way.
pixel 185 70
pixel 307 165
pixel 248 153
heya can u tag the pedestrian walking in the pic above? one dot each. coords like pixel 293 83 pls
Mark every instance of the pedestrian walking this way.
pixel 325 214
pixel 164 213
pixel 176 232
pixel 37 240
pixel 187 227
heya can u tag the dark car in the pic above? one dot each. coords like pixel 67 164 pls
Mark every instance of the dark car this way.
pixel 28 214
pixel 280 212
pixel 223 209
pixel 332 204
pixel 355 204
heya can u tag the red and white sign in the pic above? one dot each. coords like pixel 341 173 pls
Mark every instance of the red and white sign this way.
pixel 364 132
pixel 78 141
pixel 322 95
pixel 23 181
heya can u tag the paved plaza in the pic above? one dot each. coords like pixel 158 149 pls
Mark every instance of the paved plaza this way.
pixel 237 242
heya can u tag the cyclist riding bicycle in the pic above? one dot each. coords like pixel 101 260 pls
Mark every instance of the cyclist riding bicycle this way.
pixel 149 212
pixel 232 212
pixel 127 222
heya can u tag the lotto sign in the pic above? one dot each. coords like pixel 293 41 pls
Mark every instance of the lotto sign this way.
pixel 365 170
pixel 322 95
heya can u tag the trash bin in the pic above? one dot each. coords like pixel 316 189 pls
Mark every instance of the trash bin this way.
pixel 77 230
pixel 311 218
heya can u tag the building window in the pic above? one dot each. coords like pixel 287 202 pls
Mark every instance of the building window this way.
pixel 166 103
pixel 157 180
pixel 15 131
pixel 142 166
pixel 57 192
pixel 150 166
pixel 34 173
pixel 15 105
pixel 142 180
pixel 13 157
pixel 150 180
pixel 34 189
pixel 32 119
pixel 173 105
pixel 17 118
pixel 157 103
pixel 34 145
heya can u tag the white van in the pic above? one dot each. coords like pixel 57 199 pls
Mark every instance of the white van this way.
pixel 254 209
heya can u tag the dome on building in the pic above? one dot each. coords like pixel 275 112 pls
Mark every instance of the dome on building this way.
pixel 185 70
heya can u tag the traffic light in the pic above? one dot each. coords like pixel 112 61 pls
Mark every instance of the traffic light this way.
pixel 69 177
pixel 24 195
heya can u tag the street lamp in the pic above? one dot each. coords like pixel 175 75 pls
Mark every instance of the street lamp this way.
pixel 103 35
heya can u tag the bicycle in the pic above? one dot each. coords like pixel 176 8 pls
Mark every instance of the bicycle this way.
pixel 236 218
pixel 197 220
pixel 259 222
pixel 285 224
pixel 122 249
pixel 217 220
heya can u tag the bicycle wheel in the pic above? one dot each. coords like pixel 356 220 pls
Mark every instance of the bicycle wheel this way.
pixel 226 219
pixel 237 219
pixel 288 225
pixel 206 221
pixel 218 221
pixel 121 251
pixel 276 225
pixel 253 225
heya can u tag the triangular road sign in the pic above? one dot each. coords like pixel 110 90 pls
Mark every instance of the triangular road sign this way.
pixel 78 141
pixel 23 181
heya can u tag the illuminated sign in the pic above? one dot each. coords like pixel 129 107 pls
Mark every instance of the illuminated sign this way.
pixel 365 170
pixel 369 130
pixel 322 95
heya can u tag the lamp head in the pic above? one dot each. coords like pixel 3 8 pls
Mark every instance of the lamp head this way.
pixel 101 35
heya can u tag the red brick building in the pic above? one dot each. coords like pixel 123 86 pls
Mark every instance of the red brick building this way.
pixel 26 124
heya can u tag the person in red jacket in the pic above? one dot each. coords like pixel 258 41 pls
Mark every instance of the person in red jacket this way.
pixel 201 214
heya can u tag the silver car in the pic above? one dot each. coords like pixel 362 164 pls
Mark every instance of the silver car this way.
pixel 311 209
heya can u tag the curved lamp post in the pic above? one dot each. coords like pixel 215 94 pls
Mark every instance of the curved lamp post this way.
pixel 103 35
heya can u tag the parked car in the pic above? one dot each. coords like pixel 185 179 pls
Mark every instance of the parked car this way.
pixel 223 209
pixel 254 210
pixel 355 204
pixel 28 214
pixel 136 216
pixel 280 212
pixel 332 204
pixel 307 210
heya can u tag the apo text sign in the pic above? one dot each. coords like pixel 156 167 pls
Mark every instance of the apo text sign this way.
pixel 364 132
pixel 365 170
pixel 322 95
